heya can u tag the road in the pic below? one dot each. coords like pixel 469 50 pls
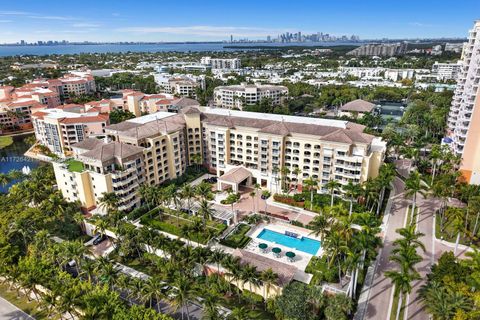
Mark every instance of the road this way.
pixel 381 289
pixel 10 312
pixel 381 293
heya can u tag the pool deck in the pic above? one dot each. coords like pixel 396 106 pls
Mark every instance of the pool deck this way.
pixel 301 259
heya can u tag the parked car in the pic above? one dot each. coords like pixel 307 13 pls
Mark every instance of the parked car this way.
pixel 99 238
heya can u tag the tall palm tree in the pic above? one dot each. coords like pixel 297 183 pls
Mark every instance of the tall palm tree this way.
pixel 249 275
pixel 109 201
pixel 188 193
pixel 268 278
pixel 312 185
pixel 210 302
pixel 332 186
pixel 275 171
pixel 296 171
pixel 252 195
pixel 319 225
pixel 403 285
pixel 352 191
pixel 240 313
pixel 457 217
pixel 152 290
pixel 205 210
pixel 414 184
pixel 410 237
pixel 284 171
pixel 204 191
pixel 217 256
pixel 184 290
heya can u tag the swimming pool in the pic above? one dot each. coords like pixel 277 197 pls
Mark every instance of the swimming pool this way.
pixel 301 243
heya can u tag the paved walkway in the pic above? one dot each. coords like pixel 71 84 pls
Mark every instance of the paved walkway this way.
pixel 246 205
pixel 8 311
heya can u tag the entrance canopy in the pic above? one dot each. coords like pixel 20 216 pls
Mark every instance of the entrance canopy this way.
pixel 234 177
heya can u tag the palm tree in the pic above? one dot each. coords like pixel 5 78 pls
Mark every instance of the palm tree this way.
pixel 312 185
pixel 249 274
pixel 410 237
pixel 352 191
pixel 183 291
pixel 275 171
pixel 109 201
pixel 332 186
pixel 413 185
pixel 386 175
pixel 252 195
pixel 204 191
pixel 268 278
pixel 240 313
pixel 284 171
pixel 457 216
pixel 210 303
pixel 402 282
pixel 152 290
pixel 217 256
pixel 296 171
pixel 319 225
pixel 205 211
pixel 188 192
pixel 474 207
pixel 436 154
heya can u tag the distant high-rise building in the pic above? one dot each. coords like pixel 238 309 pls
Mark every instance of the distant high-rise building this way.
pixel 231 38
pixel 379 49
pixel 464 117
pixel 269 39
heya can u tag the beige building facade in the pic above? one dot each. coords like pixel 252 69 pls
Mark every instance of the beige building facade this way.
pixel 229 142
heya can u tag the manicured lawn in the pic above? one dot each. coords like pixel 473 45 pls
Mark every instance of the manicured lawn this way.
pixel 74 165
pixel 22 303
pixel 237 239
pixel 449 233
pixel 168 222
pixel 5 141
pixel 395 307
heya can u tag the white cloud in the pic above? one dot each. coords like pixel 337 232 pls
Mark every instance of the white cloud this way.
pixel 14 13
pixel 419 24
pixel 34 15
pixel 62 18
pixel 210 31
pixel 85 25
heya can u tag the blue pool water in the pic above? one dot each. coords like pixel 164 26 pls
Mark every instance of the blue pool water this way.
pixel 304 244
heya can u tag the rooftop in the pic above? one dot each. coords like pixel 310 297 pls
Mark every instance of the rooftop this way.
pixel 358 105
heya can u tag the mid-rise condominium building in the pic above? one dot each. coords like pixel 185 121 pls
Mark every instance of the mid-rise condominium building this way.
pixel 464 116
pixel 241 148
pixel 446 71
pixel 237 96
pixel 60 128
pixel 17 104
pixel 70 85
pixel 218 63
pixel 182 86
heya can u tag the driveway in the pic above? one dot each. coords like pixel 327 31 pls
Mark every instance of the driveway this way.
pixel 381 293
pixel 381 289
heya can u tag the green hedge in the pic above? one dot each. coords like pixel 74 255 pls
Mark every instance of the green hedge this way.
pixel 318 266
pixel 237 238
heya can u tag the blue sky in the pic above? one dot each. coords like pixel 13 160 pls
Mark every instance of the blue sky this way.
pixel 126 20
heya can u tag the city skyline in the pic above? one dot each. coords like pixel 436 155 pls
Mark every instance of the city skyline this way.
pixel 217 21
